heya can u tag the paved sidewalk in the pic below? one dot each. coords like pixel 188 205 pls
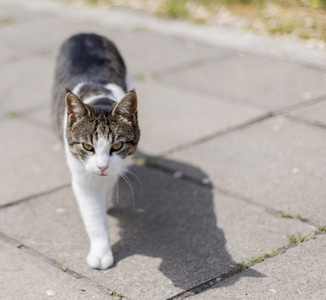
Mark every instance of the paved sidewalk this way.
pixel 232 162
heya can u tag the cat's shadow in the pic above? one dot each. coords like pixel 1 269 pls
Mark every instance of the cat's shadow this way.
pixel 172 219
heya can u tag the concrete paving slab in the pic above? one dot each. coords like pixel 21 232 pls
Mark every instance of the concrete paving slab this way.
pixel 267 83
pixel 39 116
pixel 15 12
pixel 174 236
pixel 8 55
pixel 165 53
pixel 251 231
pixel 155 246
pixel 172 52
pixel 297 274
pixel 26 85
pixel 314 113
pixel 277 163
pixel 164 110
pixel 23 276
pixel 34 163
pixel 33 38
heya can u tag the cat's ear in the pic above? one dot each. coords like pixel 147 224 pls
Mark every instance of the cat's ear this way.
pixel 127 105
pixel 75 107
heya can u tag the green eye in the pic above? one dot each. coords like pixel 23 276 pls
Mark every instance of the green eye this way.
pixel 117 146
pixel 88 147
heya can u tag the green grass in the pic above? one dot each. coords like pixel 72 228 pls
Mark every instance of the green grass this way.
pixel 13 114
pixel 115 294
pixel 272 253
pixel 297 239
pixel 140 28
pixel 146 162
pixel 282 28
pixel 286 215
pixel 182 4
pixel 322 228
pixel 304 19
pixel 317 4
pixel 139 77
pixel 93 2
pixel 289 216
pixel 255 260
pixel 176 9
pixel 302 219
pixel 7 20
pixel 241 267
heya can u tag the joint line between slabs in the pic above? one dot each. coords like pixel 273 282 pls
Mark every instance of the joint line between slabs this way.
pixel 203 287
pixel 194 64
pixel 298 106
pixel 221 132
pixel 307 121
pixel 15 202
pixel 269 210
pixel 156 164
pixel 38 255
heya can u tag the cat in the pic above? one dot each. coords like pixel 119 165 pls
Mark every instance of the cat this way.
pixel 95 113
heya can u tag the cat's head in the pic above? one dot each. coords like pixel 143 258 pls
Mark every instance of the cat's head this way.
pixel 102 138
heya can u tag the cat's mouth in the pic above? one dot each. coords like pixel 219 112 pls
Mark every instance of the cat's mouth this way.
pixel 103 174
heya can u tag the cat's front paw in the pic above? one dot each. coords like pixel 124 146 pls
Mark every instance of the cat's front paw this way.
pixel 100 261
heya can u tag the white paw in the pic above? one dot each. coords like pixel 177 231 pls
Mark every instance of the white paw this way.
pixel 100 261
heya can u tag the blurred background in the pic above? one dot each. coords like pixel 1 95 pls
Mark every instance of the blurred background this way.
pixel 296 19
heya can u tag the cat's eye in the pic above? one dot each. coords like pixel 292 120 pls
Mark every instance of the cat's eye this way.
pixel 88 147
pixel 117 146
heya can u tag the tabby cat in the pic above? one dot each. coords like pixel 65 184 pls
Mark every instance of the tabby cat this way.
pixel 95 113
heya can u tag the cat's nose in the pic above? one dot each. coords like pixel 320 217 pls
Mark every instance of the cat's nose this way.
pixel 102 168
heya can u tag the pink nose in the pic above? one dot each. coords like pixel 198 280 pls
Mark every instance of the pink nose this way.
pixel 103 168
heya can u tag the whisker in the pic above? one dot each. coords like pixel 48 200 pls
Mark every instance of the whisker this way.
pixel 89 177
pixel 85 174
pixel 117 187
pixel 135 175
pixel 130 187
